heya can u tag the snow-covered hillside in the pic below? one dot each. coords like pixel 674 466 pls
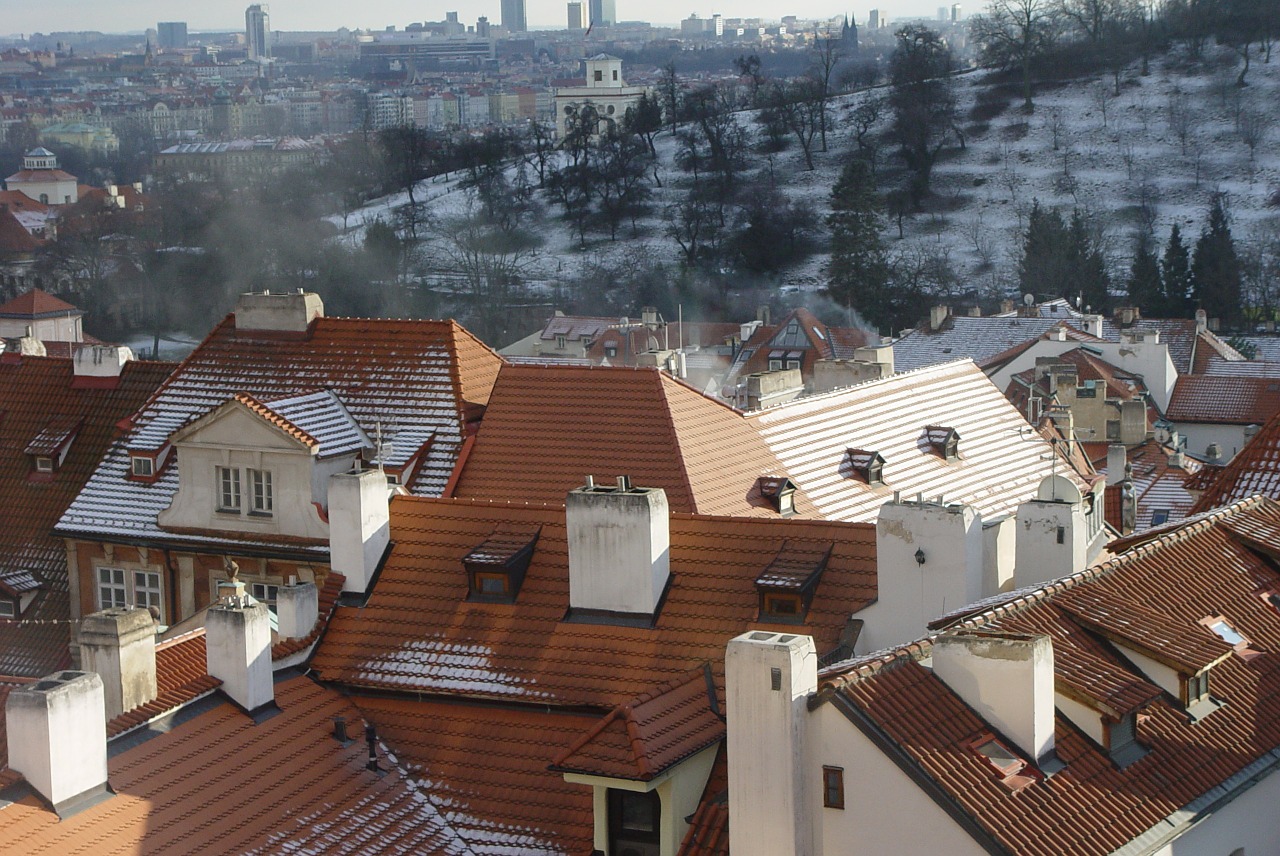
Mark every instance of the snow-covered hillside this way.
pixel 1120 159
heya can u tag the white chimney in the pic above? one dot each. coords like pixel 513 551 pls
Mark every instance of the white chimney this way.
pixel 101 360
pixel 120 646
pixel 938 316
pixel 768 679
pixel 359 526
pixel 297 608
pixel 1117 460
pixel 57 737
pixel 619 548
pixel 929 560
pixel 1055 534
pixel 238 651
pixel 27 346
pixel 1093 325
pixel 1202 320
pixel 1007 680
pixel 292 312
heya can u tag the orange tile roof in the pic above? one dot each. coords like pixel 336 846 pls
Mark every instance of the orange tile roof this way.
pixel 328 600
pixel 549 426
pixel 14 238
pixel 486 766
pixel 1198 569
pixel 650 734
pixel 268 415
pixel 813 340
pixel 35 304
pixel 419 633
pixel 181 677
pixel 36 392
pixel 1233 400
pixel 1255 469
pixel 217 780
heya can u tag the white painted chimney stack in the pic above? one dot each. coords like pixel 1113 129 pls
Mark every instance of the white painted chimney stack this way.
pixel 291 312
pixel 1007 680
pixel 120 646
pixel 768 679
pixel 619 548
pixel 238 651
pixel 359 526
pixel 297 608
pixel 1117 460
pixel 101 360
pixel 57 737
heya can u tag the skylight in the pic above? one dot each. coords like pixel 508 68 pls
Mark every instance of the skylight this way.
pixel 1227 633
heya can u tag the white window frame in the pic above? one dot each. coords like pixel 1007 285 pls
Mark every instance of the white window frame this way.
pixel 230 497
pixel 116 582
pixel 44 464
pixel 261 492
pixel 142 466
pixel 148 589
pixel 7 609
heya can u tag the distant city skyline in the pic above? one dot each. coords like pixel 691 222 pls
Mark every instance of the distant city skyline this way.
pixel 293 15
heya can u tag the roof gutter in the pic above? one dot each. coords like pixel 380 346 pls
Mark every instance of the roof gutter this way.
pixel 914 772
pixel 236 548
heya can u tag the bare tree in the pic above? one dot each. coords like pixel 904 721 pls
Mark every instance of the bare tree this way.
pixel 801 106
pixel 1101 96
pixel 1015 33
pixel 827 57
pixel 1056 123
pixel 1254 126
pixel 1179 118
pixel 866 117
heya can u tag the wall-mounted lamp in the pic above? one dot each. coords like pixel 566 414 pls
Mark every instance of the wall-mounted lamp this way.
pixel 919 556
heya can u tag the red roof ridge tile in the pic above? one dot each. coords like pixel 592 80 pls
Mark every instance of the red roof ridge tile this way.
pixel 266 413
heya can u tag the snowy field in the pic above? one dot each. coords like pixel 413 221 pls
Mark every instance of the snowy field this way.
pixel 1119 159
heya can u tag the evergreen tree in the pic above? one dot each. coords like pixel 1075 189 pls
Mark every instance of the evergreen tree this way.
pixel 1092 282
pixel 858 276
pixel 1145 289
pixel 1175 275
pixel 1216 273
pixel 1043 268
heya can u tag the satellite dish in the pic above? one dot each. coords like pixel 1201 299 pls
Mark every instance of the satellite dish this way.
pixel 1028 299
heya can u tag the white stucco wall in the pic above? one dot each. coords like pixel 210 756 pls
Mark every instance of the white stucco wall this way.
pixel 1158 673
pixel 1246 822
pixel 1200 434
pixel 885 811
pixel 1083 717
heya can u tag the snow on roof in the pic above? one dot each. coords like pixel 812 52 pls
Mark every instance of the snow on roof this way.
pixel 1001 460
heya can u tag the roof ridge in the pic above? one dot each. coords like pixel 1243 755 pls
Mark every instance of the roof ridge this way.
pixel 675 441
pixel 951 365
pixel 270 415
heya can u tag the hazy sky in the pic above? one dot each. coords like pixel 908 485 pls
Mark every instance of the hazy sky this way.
pixel 17 16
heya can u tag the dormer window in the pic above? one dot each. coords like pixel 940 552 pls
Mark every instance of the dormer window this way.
pixel 787 585
pixel 944 441
pixel 49 448
pixel 229 489
pixel 781 493
pixel 1196 688
pixel 1224 630
pixel 867 466
pixel 496 567
pixel 560 342
pixel 44 465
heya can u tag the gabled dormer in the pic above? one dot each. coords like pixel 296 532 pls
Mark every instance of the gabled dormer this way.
pixel 48 449
pixel 865 465
pixel 253 465
pixel 496 567
pixel 943 441
pixel 780 491
pixel 18 588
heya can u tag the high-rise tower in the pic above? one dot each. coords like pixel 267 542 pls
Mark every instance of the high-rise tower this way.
pixel 576 20
pixel 604 13
pixel 257 31
pixel 513 16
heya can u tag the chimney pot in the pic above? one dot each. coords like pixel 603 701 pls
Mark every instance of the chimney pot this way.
pixel 591 483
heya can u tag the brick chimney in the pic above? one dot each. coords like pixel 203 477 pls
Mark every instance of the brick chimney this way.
pixel 359 526
pixel 768 679
pixel 619 548
pixel 291 312
pixel 238 650
pixel 1008 681
pixel 57 738
pixel 120 646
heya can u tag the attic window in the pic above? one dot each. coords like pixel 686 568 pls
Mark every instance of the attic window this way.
pixel 867 465
pixel 496 567
pixel 44 465
pixel 787 585
pixel 611 351
pixel 943 440
pixel 1008 765
pixel 1196 688
pixel 1223 629
pixel 143 467
pixel 780 492
pixel 1122 740
pixel 833 787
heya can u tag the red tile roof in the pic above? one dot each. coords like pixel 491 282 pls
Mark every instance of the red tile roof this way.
pixel 36 304
pixel 1195 570
pixel 181 677
pixel 36 392
pixel 14 238
pixel 217 780
pixel 420 634
pixel 1255 469
pixel 1231 400
pixel 328 600
pixel 812 339
pixel 650 734
pixel 419 381
pixel 547 427
pixel 486 767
